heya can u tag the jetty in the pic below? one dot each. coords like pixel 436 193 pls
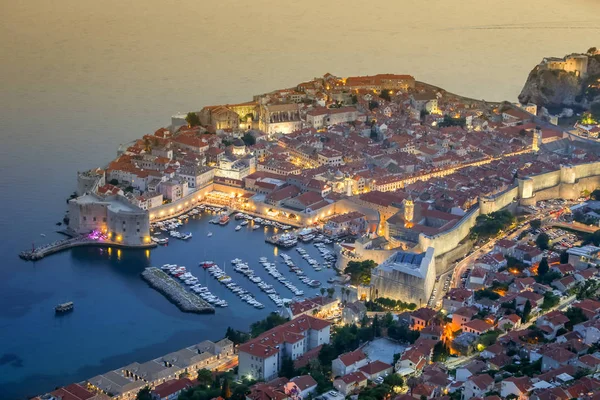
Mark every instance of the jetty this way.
pixel 37 253
pixel 285 240
pixel 185 300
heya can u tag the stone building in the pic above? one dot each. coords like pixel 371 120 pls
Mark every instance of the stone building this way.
pixel 574 63
pixel 409 277
pixel 219 117
pixel 321 117
pixel 280 118
pixel 114 215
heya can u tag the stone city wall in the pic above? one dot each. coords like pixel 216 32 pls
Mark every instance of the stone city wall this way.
pixel 450 239
pixel 544 181
pixel 571 181
pixel 443 263
pixel 490 204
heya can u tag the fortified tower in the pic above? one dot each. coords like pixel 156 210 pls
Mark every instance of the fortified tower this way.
pixel 567 174
pixel 525 188
pixel 537 140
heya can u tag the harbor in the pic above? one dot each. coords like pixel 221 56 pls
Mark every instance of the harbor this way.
pixel 175 292
pixel 139 321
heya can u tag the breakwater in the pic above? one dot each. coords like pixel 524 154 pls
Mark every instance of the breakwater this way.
pixel 175 292
pixel 65 244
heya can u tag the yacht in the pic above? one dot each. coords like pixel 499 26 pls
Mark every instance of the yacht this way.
pixel 237 228
pixel 257 226
pixel 244 223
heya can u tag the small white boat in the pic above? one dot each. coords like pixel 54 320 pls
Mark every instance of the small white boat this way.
pixel 237 228
pixel 244 223
pixel 209 234
pixel 255 227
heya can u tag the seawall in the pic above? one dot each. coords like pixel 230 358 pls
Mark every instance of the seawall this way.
pixel 175 292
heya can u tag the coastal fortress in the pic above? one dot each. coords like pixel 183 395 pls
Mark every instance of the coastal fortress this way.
pixel 574 63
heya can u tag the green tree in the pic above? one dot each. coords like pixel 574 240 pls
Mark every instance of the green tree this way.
pixel 237 337
pixel 550 301
pixel 488 338
pixel 327 354
pixel 591 51
pixel 270 322
pixel 388 320
pixel 449 121
pixel 225 389
pixel 205 377
pixel 536 224
pixel 440 352
pixel 330 292
pixel 595 111
pixel 192 119
pixel 322 290
pixel 144 394
pixel 385 94
pixel 564 257
pixel 543 267
pixel 240 392
pixel 364 322
pixel 543 241
pixel 491 224
pixel 249 139
pixel 401 333
pixel 360 271
pixel 395 381
pixel 287 368
pixel 576 316
pixel 526 312
pixel 114 182
pixel 376 327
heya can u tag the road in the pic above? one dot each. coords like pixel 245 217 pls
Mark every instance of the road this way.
pixel 460 267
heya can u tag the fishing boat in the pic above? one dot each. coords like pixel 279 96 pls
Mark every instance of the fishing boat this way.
pixel 224 220
pixel 64 307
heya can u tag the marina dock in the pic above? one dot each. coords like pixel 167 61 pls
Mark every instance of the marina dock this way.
pixel 175 292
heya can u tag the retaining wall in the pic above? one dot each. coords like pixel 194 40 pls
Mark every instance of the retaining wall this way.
pixel 180 206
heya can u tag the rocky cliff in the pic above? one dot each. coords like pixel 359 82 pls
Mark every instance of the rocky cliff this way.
pixel 553 88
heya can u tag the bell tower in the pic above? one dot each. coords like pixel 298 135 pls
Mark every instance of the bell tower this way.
pixel 409 212
pixel 537 140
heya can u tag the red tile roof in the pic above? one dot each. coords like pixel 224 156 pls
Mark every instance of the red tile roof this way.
pixel 478 325
pixel 375 367
pixel 353 377
pixel 171 387
pixel 352 357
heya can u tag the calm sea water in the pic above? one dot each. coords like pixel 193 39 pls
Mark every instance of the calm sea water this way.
pixel 80 77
